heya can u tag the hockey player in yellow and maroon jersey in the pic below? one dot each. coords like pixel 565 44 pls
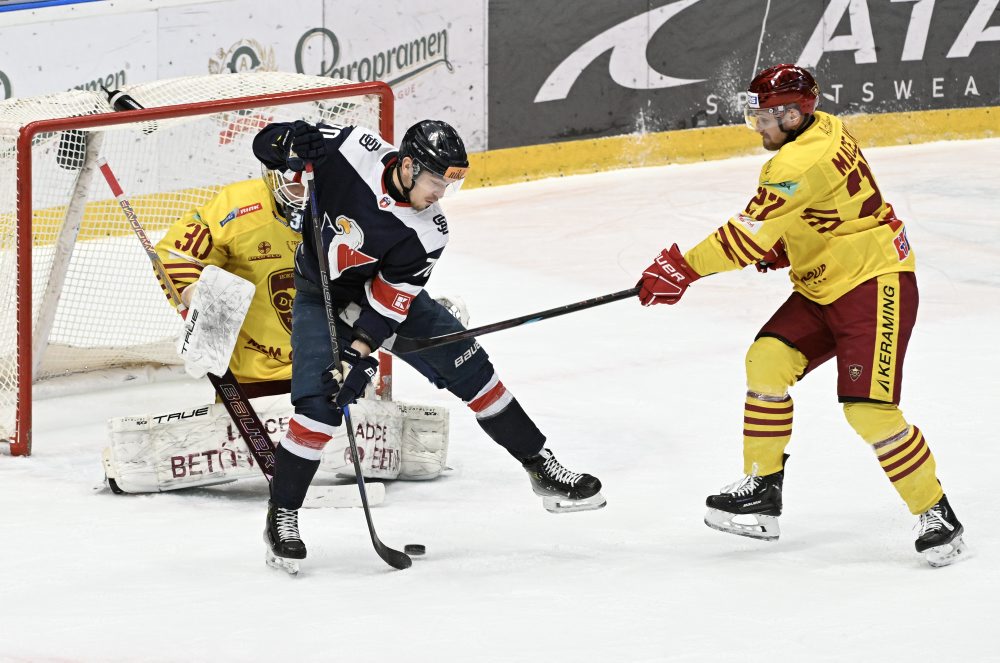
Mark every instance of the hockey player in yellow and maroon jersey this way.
pixel 246 232
pixel 817 210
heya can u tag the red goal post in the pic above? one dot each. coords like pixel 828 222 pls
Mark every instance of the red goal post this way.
pixel 77 294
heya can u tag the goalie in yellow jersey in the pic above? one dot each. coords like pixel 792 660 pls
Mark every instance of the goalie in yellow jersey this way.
pixel 818 211
pixel 247 233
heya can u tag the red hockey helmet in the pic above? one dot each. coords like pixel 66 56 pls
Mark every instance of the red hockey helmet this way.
pixel 777 88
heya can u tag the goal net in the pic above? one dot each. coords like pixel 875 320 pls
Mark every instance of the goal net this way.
pixel 77 291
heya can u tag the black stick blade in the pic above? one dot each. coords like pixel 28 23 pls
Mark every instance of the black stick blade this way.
pixel 394 558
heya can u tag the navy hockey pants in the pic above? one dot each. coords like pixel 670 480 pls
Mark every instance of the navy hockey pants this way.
pixel 463 368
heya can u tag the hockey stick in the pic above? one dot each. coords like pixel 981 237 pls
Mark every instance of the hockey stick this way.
pixel 394 558
pixel 227 387
pixel 404 344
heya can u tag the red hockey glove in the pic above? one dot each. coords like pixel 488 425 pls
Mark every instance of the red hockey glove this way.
pixel 665 281
pixel 776 258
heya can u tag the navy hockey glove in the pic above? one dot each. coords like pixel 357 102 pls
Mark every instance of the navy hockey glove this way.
pixel 307 144
pixel 360 372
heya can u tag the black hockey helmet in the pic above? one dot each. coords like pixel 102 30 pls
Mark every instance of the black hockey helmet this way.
pixel 436 146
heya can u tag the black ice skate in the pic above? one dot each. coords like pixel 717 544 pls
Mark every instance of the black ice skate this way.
pixel 750 507
pixel 940 536
pixel 562 491
pixel 284 546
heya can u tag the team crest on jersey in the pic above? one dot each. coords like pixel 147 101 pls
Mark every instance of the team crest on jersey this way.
pixel 855 371
pixel 345 247
pixel 902 245
pixel 385 202
pixel 281 290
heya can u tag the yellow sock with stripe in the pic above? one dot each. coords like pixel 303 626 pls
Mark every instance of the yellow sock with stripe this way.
pixel 767 429
pixel 909 464
pixel 902 452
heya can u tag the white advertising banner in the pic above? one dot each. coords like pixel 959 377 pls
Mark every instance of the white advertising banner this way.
pixel 47 57
pixel 432 53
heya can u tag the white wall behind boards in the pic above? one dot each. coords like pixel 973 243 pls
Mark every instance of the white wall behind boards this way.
pixel 432 53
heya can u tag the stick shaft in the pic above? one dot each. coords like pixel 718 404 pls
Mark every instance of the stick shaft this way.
pixel 404 344
pixel 393 558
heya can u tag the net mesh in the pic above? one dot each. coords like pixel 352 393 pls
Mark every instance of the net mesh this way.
pixel 95 302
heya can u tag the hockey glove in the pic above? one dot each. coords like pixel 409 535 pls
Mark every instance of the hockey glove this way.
pixel 360 372
pixel 776 258
pixel 307 144
pixel 665 281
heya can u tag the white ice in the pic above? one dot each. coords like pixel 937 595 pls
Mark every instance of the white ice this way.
pixel 650 400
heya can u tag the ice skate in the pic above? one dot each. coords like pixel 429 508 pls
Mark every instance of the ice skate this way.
pixel 750 507
pixel 562 491
pixel 284 546
pixel 940 536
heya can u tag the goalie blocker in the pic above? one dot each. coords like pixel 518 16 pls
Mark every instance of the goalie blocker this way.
pixel 200 447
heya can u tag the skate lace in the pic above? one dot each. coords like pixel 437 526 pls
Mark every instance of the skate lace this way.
pixel 556 471
pixel 932 520
pixel 287 523
pixel 744 486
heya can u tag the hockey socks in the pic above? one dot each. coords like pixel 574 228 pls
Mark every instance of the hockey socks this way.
pixel 908 462
pixel 767 429
pixel 512 429
pixel 292 476
pixel 505 421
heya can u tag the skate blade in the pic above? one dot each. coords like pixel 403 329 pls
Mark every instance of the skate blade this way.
pixel 289 566
pixel 763 528
pixel 948 554
pixel 562 504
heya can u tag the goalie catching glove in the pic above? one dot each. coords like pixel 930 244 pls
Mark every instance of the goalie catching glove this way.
pixel 343 391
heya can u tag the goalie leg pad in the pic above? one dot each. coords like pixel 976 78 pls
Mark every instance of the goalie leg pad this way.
pixel 424 451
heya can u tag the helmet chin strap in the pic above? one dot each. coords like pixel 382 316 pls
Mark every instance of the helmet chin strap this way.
pixel 405 190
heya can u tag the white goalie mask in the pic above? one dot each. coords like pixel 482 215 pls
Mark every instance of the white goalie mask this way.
pixel 287 187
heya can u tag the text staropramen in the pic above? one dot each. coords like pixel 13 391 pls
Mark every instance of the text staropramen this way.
pixel 393 65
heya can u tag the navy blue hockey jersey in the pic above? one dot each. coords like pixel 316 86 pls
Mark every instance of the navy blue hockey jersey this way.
pixel 381 251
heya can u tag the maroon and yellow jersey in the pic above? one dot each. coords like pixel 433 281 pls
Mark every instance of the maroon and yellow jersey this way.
pixel 818 196
pixel 241 232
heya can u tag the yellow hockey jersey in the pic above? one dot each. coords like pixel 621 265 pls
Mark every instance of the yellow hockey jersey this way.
pixel 241 231
pixel 818 196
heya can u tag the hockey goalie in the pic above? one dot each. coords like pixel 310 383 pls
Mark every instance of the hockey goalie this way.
pixel 232 261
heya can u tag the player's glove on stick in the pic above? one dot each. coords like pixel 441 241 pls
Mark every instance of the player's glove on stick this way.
pixel 776 258
pixel 307 144
pixel 665 281
pixel 360 372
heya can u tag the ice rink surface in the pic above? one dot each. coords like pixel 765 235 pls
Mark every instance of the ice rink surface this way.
pixel 649 400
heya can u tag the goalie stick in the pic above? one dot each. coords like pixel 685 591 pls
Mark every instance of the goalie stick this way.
pixel 227 386
pixel 394 558
pixel 405 344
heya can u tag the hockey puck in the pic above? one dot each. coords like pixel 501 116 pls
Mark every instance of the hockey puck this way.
pixel 414 549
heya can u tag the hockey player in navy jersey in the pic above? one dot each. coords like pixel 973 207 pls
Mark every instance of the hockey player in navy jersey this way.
pixel 383 231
